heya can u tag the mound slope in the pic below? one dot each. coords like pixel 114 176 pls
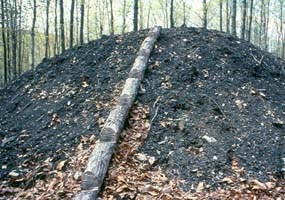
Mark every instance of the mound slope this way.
pixel 221 108
pixel 45 113
pixel 217 108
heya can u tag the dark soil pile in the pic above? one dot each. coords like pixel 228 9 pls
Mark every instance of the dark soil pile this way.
pixel 218 108
pixel 45 113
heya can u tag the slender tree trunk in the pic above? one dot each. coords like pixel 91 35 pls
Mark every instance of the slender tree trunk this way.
pixel 20 40
pixel 13 26
pixel 261 24
pixel 221 15
pixel 234 14
pixel 250 21
pixel 243 19
pixel 141 20
pixel 148 15
pixel 82 22
pixel 47 30
pixel 136 10
pixel 205 13
pixel 33 34
pixel 171 14
pixel 55 49
pixel 267 25
pixel 280 32
pixel 227 16
pixel 124 17
pixel 112 18
pixel 184 13
pixel 62 33
pixel 4 42
pixel 77 21
pixel 71 24
pixel 88 21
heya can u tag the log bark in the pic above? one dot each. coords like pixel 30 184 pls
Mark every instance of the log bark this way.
pixel 100 157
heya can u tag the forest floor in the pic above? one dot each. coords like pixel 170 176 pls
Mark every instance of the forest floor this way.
pixel 208 122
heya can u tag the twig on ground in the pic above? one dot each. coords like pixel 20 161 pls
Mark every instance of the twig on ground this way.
pixel 156 111
pixel 26 106
pixel 256 60
pixel 213 100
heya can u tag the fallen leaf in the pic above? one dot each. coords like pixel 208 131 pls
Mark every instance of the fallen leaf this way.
pixel 60 165
pixel 200 187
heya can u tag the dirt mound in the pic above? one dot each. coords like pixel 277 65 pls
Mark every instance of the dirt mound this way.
pixel 217 108
pixel 45 113
pixel 219 111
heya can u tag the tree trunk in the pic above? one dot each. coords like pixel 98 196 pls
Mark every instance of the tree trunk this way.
pixel 62 33
pixel 124 17
pixel 47 30
pixel 221 15
pixel 88 21
pixel 20 40
pixel 234 14
pixel 261 21
pixel 227 16
pixel 184 14
pixel 82 22
pixel 33 34
pixel 148 15
pixel 243 19
pixel 112 18
pixel 171 14
pixel 55 49
pixel 4 43
pixel 141 20
pixel 250 21
pixel 71 24
pixel 267 25
pixel 205 12
pixel 136 10
pixel 101 155
pixel 13 27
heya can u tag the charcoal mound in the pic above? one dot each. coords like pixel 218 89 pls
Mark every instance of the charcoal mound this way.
pixel 217 106
pixel 45 113
pixel 220 106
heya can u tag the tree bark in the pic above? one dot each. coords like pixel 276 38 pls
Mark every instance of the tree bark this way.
pixel 172 14
pixel 243 19
pixel 136 10
pixel 227 16
pixel 4 43
pixel 62 33
pixel 71 24
pixel 221 15
pixel 234 14
pixel 184 14
pixel 55 49
pixel 100 157
pixel 33 33
pixel 13 28
pixel 250 21
pixel 20 40
pixel 47 30
pixel 124 17
pixel 112 18
pixel 205 13
pixel 82 22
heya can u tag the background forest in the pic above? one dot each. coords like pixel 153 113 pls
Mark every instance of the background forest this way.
pixel 35 29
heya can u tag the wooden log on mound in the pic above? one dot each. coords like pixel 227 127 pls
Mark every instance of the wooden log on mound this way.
pixel 100 157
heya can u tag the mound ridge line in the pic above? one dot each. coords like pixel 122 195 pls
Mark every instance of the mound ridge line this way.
pixel 100 157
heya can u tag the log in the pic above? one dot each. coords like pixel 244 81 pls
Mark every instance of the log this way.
pixel 100 157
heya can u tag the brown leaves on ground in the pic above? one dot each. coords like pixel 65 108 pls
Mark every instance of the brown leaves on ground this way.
pixel 62 182
pixel 132 175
